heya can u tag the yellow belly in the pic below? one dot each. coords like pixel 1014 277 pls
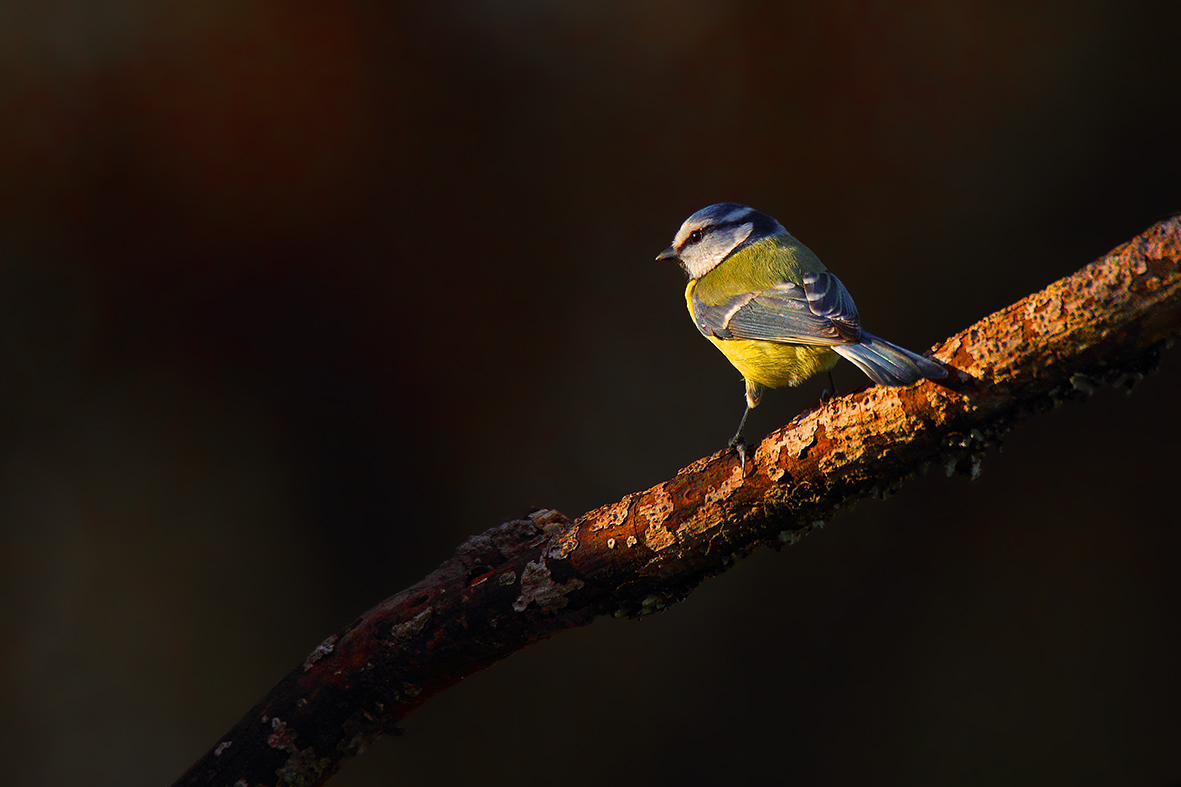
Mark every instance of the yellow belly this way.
pixel 774 365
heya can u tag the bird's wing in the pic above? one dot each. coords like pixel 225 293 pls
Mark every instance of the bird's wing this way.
pixel 818 311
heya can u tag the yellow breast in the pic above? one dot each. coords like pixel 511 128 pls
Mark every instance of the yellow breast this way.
pixel 770 364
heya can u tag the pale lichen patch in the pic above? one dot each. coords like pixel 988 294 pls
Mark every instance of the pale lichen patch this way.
pixel 1082 384
pixel 798 441
pixel 658 510
pixel 222 747
pixel 652 603
pixel 563 542
pixel 768 457
pixel 723 490
pixel 322 650
pixel 281 737
pixel 610 515
pixel 657 537
pixel 303 767
pixel 411 627
pixel 538 587
pixel 545 518
pixel 509 537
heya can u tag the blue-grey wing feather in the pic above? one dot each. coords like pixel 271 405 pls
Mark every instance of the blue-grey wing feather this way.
pixel 818 312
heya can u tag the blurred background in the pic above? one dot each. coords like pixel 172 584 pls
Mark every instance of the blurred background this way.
pixel 294 297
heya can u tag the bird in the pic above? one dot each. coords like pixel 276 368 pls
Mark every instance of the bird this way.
pixel 774 310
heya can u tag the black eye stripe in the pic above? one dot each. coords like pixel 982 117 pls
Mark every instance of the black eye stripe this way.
pixel 763 225
pixel 696 235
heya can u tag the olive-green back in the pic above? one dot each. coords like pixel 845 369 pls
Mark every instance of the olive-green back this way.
pixel 759 266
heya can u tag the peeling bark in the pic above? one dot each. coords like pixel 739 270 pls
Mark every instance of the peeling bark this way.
pixel 528 579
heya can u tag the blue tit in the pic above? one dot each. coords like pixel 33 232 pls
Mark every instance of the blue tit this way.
pixel 773 309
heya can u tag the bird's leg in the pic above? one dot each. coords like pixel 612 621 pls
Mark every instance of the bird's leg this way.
pixel 737 438
pixel 831 391
pixel 753 394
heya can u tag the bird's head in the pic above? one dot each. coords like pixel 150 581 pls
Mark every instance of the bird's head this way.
pixel 714 233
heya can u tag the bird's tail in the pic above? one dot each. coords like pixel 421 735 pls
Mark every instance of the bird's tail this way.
pixel 889 364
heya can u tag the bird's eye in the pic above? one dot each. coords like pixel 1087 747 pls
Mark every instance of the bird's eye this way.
pixel 695 236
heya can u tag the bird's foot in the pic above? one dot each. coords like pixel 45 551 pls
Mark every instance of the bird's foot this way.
pixel 738 442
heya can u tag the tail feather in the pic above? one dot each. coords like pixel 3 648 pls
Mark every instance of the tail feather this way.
pixel 889 364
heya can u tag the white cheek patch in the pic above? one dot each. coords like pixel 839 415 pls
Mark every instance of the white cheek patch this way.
pixel 701 257
pixel 722 242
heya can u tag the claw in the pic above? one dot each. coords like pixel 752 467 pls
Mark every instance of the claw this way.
pixel 739 444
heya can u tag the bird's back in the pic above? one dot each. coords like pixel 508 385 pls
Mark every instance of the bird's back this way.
pixel 759 266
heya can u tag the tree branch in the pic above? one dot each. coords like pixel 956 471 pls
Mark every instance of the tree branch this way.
pixel 528 579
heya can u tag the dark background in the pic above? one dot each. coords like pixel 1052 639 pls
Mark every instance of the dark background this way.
pixel 296 296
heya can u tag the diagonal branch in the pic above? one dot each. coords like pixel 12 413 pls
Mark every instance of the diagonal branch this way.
pixel 528 579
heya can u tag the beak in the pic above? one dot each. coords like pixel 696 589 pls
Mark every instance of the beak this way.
pixel 668 254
